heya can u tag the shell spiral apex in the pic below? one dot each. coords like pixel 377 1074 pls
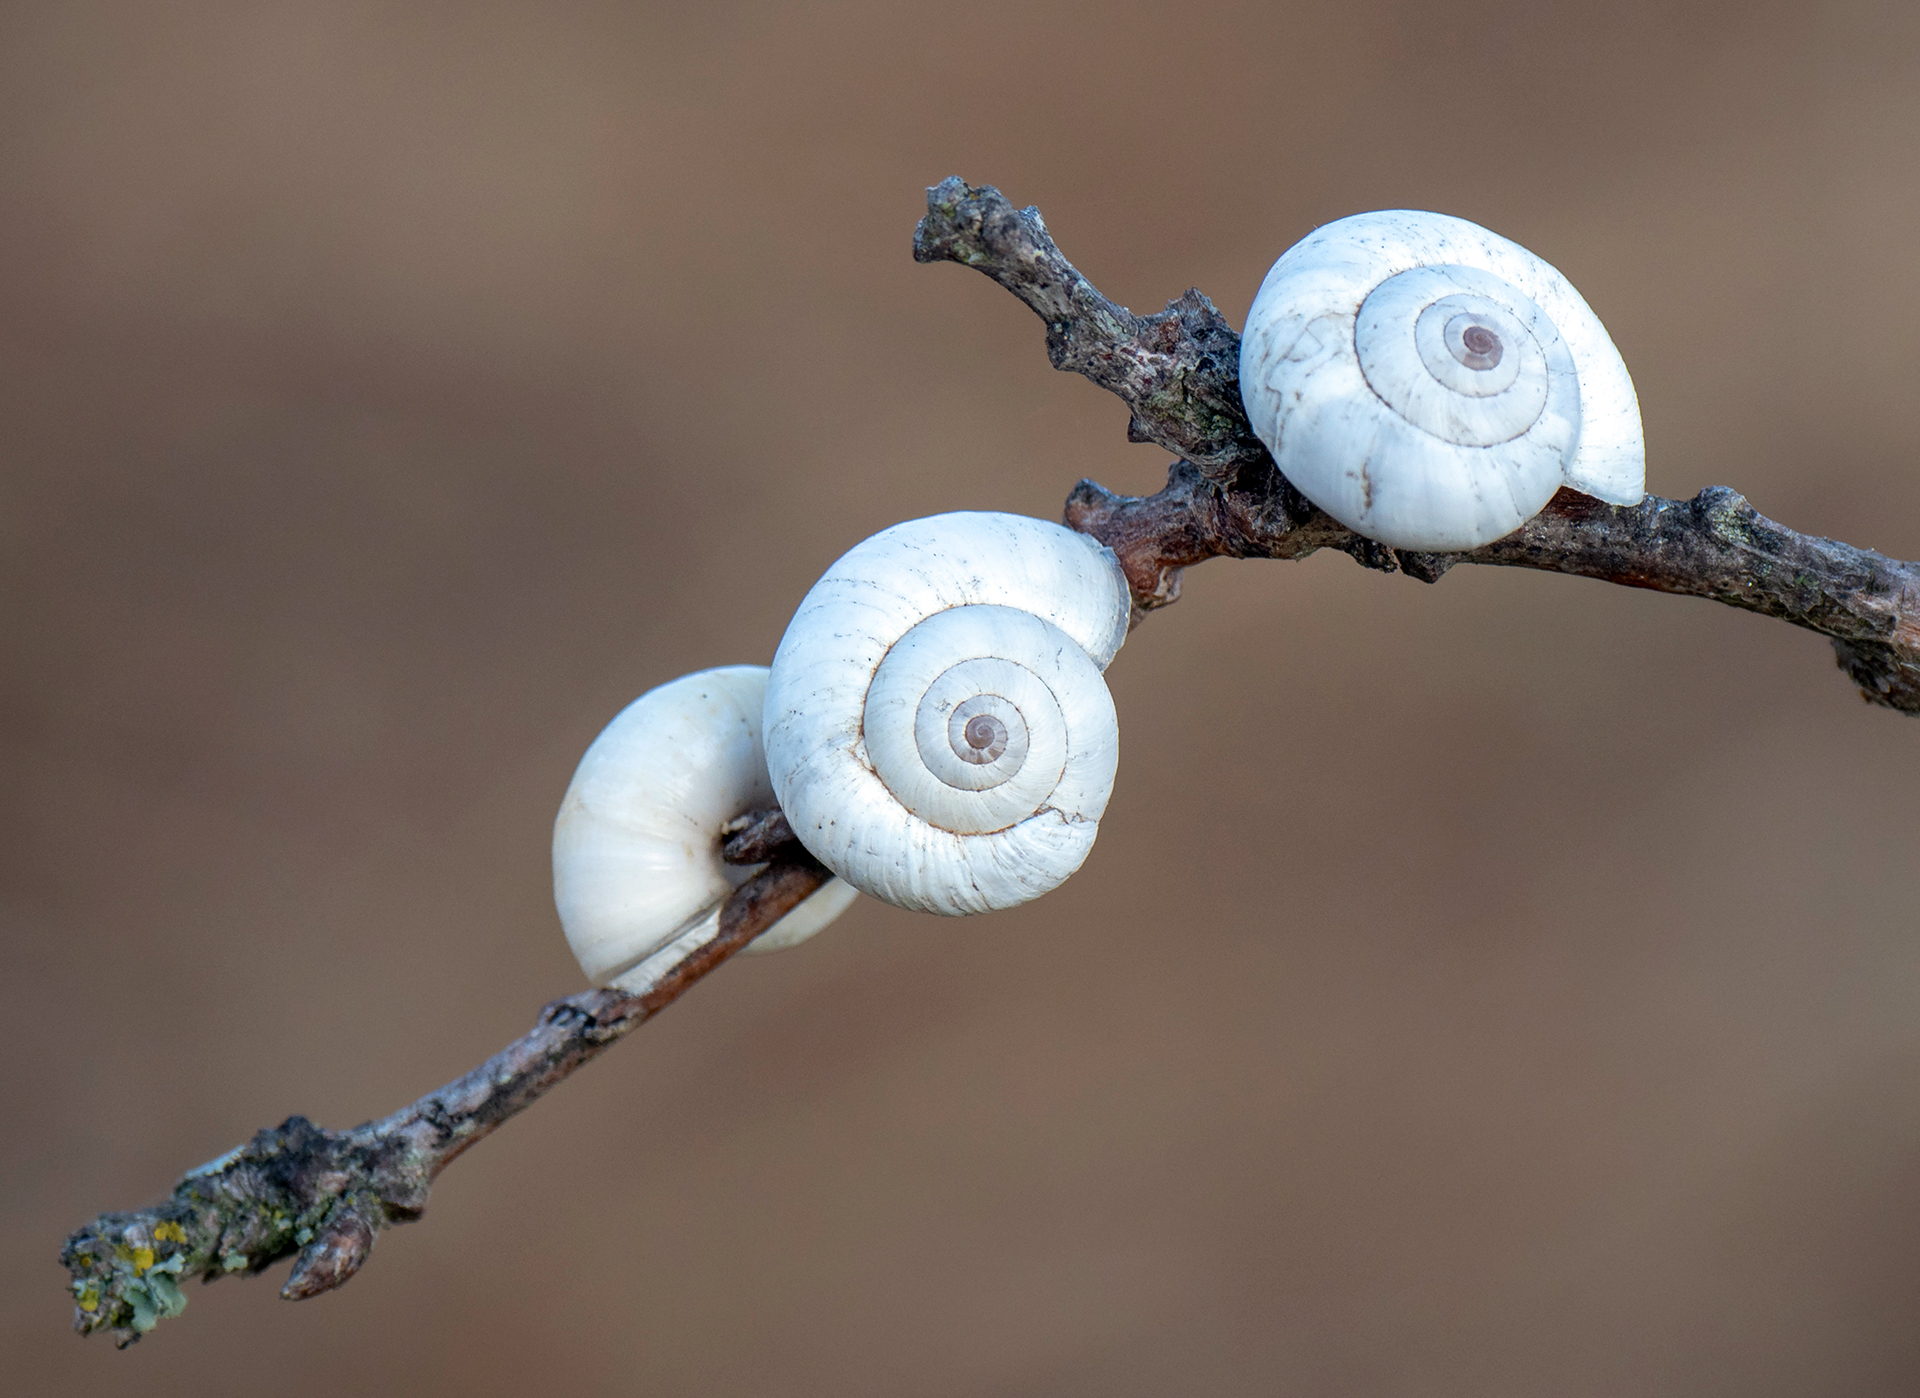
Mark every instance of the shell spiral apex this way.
pixel 637 875
pixel 1430 384
pixel 938 731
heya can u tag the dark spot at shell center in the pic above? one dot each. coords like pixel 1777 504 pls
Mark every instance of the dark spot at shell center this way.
pixel 1479 348
pixel 983 738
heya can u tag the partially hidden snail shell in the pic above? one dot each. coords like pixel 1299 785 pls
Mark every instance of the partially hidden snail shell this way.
pixel 1430 384
pixel 937 728
pixel 637 875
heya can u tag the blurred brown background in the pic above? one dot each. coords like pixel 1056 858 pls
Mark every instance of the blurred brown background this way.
pixel 1506 987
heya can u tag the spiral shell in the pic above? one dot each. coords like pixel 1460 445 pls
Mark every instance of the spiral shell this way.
pixel 637 875
pixel 1430 384
pixel 938 731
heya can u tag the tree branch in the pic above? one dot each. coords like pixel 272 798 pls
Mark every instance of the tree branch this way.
pixel 1179 373
pixel 326 1195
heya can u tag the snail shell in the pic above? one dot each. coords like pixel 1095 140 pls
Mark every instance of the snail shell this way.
pixel 637 875
pixel 1430 384
pixel 938 731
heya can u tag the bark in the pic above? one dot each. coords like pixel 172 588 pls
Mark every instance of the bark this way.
pixel 325 1196
pixel 1178 373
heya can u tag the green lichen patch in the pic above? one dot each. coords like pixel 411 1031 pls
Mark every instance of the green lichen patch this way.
pixel 128 1280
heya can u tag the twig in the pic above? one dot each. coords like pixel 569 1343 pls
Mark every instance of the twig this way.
pixel 326 1195
pixel 1178 372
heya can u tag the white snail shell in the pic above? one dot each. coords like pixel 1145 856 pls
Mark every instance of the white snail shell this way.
pixel 938 731
pixel 637 875
pixel 1430 384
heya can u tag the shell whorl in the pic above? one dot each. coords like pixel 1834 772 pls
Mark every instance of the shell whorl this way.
pixel 1430 384
pixel 637 872
pixel 937 728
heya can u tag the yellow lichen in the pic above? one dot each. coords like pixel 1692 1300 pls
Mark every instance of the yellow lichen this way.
pixel 170 1232
pixel 140 1259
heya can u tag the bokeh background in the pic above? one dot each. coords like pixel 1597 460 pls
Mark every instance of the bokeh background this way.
pixel 1504 987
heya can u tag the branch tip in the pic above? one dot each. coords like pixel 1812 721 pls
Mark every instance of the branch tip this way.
pixel 323 1197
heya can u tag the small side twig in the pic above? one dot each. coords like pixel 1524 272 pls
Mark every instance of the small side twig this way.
pixel 1178 372
pixel 325 1196
pixel 756 837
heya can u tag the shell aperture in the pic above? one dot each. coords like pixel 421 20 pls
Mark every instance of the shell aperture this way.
pixel 938 731
pixel 637 872
pixel 1430 384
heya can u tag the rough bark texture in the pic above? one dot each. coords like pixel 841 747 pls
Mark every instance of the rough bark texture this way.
pixel 1179 374
pixel 1179 371
pixel 326 1195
